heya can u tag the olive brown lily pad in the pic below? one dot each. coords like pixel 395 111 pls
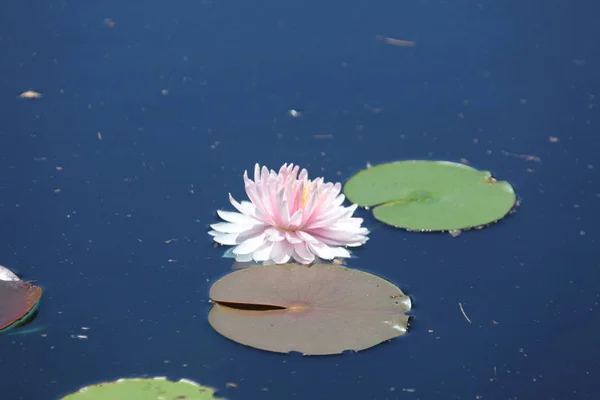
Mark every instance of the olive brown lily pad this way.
pixel 315 310
pixel 158 388
pixel 424 195
pixel 18 300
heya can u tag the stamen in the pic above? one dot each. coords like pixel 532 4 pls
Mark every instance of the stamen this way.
pixel 305 194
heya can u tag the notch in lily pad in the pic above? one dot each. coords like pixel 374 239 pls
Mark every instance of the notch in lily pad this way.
pixel 144 389
pixel 423 196
pixel 19 300
pixel 314 310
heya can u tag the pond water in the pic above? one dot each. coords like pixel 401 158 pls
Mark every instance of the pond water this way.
pixel 150 113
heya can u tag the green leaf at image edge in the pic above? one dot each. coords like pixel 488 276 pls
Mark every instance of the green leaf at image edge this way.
pixel 424 195
pixel 144 389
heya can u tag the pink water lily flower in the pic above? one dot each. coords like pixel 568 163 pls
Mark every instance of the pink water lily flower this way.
pixel 289 218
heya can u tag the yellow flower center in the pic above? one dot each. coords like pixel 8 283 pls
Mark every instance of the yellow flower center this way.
pixel 305 194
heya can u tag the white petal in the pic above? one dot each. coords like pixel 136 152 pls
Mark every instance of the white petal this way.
pixel 339 200
pixel 250 245
pixel 227 227
pixel 353 224
pixel 359 242
pixel 339 237
pixel 263 253
pixel 227 238
pixel 256 172
pixel 7 275
pixel 326 252
pixel 236 218
pixel 340 252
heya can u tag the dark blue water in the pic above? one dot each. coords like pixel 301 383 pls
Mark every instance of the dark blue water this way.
pixel 486 78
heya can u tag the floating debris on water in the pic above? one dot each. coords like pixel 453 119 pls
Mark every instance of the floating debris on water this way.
pixel 30 94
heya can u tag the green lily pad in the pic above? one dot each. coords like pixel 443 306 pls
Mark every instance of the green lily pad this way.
pixel 423 195
pixel 158 388
pixel 315 310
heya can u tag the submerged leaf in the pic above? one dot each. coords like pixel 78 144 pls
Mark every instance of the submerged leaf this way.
pixel 431 195
pixel 316 310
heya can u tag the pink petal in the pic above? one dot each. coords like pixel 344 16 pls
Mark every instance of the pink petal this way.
pixel 292 237
pixel 264 174
pixel 274 235
pixel 334 239
pixel 283 212
pixel 302 251
pixel 307 237
pixel 244 207
pixel 296 219
pixel 282 252
pixel 256 199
